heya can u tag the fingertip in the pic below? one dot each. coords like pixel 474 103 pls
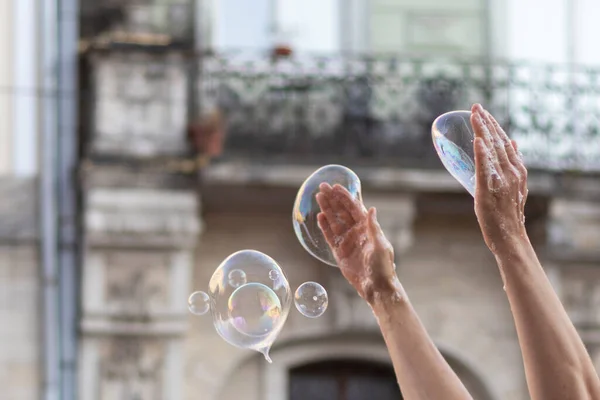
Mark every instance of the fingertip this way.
pixel 337 188
pixel 321 220
pixel 373 212
pixel 324 186
pixel 478 124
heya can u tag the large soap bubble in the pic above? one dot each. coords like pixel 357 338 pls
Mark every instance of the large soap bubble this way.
pixel 251 299
pixel 306 208
pixel 453 140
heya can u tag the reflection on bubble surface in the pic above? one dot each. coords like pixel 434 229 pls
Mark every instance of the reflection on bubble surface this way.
pixel 453 141
pixel 237 278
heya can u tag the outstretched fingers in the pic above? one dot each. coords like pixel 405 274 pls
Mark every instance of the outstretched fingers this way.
pixel 327 208
pixel 336 201
pixel 499 140
pixel 480 128
pixel 374 229
pixel 325 226
pixel 518 159
pixel 484 169
pixel 509 148
pixel 352 206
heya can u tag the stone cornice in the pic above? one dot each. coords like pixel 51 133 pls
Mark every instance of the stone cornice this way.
pixel 141 217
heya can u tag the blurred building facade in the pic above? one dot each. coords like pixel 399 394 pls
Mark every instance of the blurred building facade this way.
pixel 158 231
pixel 158 218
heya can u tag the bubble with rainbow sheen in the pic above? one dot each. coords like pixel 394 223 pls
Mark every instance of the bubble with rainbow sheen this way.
pixel 453 138
pixel 250 314
pixel 255 309
pixel 306 208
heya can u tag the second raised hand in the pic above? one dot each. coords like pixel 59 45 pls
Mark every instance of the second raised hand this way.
pixel 363 253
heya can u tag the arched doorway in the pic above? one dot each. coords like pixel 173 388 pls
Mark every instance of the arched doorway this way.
pixel 341 379
pixel 295 364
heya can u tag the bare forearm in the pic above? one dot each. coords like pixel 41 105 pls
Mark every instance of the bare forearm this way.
pixel 422 372
pixel 556 362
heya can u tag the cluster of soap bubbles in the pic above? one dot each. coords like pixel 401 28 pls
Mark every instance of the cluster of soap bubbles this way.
pixel 249 296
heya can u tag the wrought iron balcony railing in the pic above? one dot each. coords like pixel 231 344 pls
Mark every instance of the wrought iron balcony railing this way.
pixel 380 109
pixel 354 110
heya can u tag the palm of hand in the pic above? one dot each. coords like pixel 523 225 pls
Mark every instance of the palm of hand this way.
pixel 362 251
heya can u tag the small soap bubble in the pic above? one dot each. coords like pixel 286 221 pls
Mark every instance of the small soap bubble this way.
pixel 250 312
pixel 273 275
pixel 306 208
pixel 199 303
pixel 311 299
pixel 237 278
pixel 453 141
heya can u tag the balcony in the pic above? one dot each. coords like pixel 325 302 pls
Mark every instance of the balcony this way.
pixel 378 111
pixel 365 112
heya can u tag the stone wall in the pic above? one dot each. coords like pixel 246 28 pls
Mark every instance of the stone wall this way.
pixel 20 292
pixel 139 254
pixel 144 255
pixel 575 259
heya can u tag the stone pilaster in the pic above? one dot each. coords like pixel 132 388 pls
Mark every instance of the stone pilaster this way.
pixel 575 226
pixel 137 264
pixel 395 214
pixel 574 251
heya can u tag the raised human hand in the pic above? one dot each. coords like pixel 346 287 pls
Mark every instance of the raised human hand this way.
pixel 363 253
pixel 501 182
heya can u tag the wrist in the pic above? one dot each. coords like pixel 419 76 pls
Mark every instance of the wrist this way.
pixel 511 247
pixel 384 292
pixel 517 260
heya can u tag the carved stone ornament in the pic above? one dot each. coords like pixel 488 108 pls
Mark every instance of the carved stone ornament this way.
pixel 132 369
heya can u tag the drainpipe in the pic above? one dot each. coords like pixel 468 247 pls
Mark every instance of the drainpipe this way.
pixel 68 222
pixel 47 196
pixel 58 197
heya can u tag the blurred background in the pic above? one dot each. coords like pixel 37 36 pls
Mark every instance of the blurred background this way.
pixel 143 141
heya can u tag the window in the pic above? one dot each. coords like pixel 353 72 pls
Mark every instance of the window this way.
pixel 344 380
pixel 434 27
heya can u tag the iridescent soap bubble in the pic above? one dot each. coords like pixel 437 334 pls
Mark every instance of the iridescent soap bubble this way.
pixel 251 315
pixel 255 309
pixel 311 299
pixel 453 140
pixel 306 208
pixel 199 303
